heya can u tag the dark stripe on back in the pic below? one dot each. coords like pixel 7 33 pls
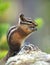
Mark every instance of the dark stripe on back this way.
pixel 10 30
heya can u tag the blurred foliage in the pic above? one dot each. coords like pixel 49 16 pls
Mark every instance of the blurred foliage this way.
pixel 3 39
pixel 40 22
pixel 3 7
pixel 3 36
pixel 3 28
pixel 3 53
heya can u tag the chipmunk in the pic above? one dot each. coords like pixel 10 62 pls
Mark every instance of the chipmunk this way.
pixel 18 34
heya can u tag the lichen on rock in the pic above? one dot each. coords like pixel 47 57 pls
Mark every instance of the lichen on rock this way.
pixel 29 55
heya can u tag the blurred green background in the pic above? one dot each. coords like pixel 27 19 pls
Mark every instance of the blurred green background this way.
pixel 3 28
pixel 38 10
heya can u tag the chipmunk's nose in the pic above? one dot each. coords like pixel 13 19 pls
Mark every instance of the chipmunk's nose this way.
pixel 34 23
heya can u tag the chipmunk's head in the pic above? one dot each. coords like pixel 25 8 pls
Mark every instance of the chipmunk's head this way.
pixel 29 27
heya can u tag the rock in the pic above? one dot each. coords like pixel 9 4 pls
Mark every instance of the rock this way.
pixel 29 55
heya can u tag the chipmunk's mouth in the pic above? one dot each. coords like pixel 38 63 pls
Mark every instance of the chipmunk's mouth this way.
pixel 33 28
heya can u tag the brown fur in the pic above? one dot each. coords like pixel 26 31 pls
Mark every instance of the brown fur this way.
pixel 16 39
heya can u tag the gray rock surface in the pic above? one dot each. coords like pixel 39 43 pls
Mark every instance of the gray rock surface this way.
pixel 30 55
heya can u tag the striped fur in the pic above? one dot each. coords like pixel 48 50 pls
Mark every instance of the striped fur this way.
pixel 16 36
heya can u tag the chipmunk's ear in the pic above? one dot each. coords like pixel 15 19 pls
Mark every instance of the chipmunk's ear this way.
pixel 20 19
pixel 21 15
